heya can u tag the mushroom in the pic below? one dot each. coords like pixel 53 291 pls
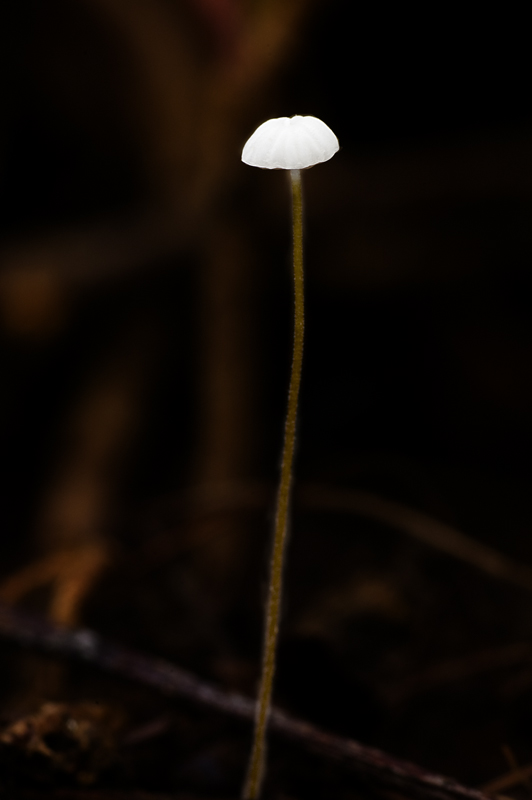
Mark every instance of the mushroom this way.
pixel 290 143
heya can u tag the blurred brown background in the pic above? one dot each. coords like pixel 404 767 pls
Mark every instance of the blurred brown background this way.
pixel 145 305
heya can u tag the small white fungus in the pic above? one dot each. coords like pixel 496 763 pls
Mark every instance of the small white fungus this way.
pixel 290 143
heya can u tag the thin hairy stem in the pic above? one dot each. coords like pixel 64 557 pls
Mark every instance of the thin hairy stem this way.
pixel 256 763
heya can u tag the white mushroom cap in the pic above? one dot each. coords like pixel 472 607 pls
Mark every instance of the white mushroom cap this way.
pixel 290 143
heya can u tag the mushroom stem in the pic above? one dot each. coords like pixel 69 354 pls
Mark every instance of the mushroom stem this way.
pixel 256 763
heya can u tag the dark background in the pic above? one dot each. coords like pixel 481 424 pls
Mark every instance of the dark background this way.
pixel 145 313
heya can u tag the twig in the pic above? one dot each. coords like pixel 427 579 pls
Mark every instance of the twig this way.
pixel 458 669
pixel 509 780
pixel 318 497
pixel 420 526
pixel 86 645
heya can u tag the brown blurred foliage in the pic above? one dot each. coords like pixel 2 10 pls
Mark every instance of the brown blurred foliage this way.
pixel 145 343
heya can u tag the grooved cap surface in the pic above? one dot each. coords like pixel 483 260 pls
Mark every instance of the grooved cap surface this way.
pixel 290 143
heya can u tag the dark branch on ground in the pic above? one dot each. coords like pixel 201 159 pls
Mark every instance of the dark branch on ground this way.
pixel 86 645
